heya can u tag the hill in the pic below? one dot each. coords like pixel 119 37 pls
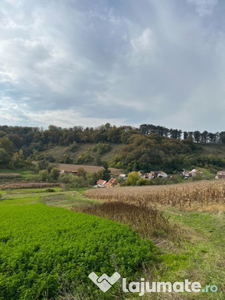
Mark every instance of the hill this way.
pixel 148 147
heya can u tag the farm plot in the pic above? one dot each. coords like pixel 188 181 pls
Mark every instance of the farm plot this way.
pixel 202 193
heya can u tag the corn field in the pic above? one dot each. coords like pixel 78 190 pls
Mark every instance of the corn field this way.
pixel 187 194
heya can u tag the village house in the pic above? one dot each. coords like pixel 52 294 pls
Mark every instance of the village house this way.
pixel 111 182
pixel 220 175
pixel 191 173
pixel 154 174
pixel 162 174
pixel 104 184
pixel 68 172
pixel 101 183
pixel 149 175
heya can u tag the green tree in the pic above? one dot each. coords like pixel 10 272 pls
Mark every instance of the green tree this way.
pixel 106 172
pixel 43 175
pixel 4 157
pixel 6 144
pixel 54 173
pixel 42 164
pixel 132 178
pixel 81 172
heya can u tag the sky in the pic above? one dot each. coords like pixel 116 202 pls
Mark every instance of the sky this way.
pixel 90 62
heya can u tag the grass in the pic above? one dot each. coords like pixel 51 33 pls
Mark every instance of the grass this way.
pixel 200 256
pixel 67 200
pixel 23 173
pixel 58 197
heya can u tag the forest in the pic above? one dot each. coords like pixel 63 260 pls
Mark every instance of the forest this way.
pixel 148 147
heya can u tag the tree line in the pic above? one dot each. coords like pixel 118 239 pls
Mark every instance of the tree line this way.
pixel 39 138
pixel 147 147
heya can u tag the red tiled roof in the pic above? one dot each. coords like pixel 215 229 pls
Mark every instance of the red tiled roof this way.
pixel 101 182
pixel 111 182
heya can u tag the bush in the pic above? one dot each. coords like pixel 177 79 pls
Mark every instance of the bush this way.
pixel 73 147
pixel 43 175
pixel 54 173
pixel 84 158
pixel 78 182
pixel 142 181
pixel 132 178
pixel 101 148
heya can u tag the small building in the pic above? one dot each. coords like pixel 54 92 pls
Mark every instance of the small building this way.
pixel 162 174
pixel 101 183
pixel 111 182
pixel 105 184
pixel 123 176
pixel 186 173
pixel 149 175
pixel 154 174
pixel 220 175
pixel 191 173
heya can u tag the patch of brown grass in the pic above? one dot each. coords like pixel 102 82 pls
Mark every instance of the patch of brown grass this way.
pixel 147 221
pixel 28 185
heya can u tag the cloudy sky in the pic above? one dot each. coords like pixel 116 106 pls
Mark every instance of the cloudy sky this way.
pixel 89 62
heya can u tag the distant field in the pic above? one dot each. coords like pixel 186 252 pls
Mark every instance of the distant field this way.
pixel 19 174
pixel 89 169
pixel 10 175
pixel 27 185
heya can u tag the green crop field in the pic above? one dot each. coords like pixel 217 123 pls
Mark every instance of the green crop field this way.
pixel 46 251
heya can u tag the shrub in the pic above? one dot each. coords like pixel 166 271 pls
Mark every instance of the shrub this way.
pixel 101 148
pixel 43 175
pixel 55 173
pixel 73 147
pixel 132 178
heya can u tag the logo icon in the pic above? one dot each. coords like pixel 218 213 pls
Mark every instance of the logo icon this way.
pixel 104 282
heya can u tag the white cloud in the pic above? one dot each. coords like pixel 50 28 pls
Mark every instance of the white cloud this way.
pixel 203 7
pixel 145 42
